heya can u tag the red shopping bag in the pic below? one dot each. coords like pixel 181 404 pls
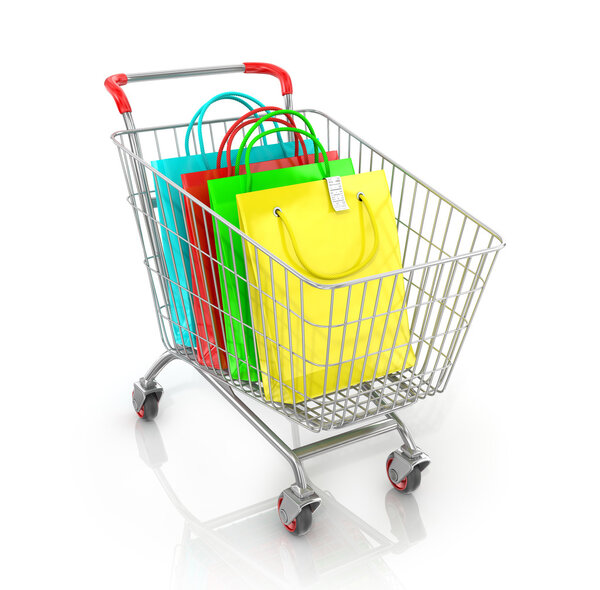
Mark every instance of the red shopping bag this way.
pixel 205 285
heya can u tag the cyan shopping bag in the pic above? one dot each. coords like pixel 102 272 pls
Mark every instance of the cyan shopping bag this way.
pixel 171 214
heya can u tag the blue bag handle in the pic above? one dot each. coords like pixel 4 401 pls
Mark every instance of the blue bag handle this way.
pixel 199 116
pixel 237 96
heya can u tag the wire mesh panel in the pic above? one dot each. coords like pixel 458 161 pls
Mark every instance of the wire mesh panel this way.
pixel 447 257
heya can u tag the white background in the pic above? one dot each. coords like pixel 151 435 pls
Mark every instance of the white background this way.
pixel 493 103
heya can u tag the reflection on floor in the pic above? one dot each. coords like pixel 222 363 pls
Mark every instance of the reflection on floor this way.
pixel 249 548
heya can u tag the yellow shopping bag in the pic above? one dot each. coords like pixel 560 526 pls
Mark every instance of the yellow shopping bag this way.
pixel 316 339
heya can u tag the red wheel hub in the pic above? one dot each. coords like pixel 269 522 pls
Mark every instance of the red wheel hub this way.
pixel 401 485
pixel 290 527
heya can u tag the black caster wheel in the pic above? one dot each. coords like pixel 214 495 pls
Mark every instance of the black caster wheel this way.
pixel 301 524
pixel 149 410
pixel 410 483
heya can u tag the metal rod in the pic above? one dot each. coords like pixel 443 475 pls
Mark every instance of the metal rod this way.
pixel 345 438
pixel 186 73
pixel 159 364
pixel 404 433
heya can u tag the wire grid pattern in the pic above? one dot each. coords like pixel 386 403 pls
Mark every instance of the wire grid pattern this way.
pixel 447 259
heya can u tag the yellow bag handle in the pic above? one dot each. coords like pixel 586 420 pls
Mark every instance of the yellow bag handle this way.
pixel 357 266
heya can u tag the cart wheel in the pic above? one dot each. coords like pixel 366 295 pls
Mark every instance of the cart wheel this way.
pixel 410 483
pixel 301 524
pixel 149 410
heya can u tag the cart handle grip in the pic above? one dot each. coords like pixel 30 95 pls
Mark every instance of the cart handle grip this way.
pixel 114 83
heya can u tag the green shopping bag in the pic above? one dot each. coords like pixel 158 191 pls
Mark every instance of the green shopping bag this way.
pixel 239 339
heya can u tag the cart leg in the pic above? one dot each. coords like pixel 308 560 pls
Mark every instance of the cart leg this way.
pixel 147 392
pixel 404 465
pixel 295 434
pixel 407 438
pixel 159 364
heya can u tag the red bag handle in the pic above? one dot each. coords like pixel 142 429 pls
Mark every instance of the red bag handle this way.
pixel 247 119
pixel 234 127
pixel 297 140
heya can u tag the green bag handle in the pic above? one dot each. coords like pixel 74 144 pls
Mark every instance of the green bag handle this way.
pixel 273 114
pixel 279 129
pixel 356 266
pixel 262 120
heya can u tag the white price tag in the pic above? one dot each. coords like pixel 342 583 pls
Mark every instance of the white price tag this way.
pixel 336 193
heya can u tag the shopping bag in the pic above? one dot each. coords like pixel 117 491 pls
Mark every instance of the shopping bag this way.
pixel 206 297
pixel 169 203
pixel 313 339
pixel 242 359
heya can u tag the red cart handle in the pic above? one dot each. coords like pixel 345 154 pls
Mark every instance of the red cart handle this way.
pixel 257 67
pixel 113 83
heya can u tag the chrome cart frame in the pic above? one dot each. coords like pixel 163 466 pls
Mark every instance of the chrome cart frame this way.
pixel 448 256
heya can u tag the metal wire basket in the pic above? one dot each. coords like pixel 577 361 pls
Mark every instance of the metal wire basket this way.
pixel 448 256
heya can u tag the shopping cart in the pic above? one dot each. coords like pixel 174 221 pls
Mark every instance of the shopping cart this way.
pixel 448 257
